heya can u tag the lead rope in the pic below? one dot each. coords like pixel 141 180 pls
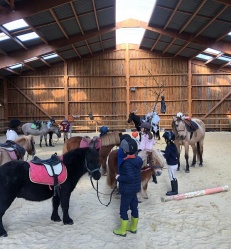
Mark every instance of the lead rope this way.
pixel 97 191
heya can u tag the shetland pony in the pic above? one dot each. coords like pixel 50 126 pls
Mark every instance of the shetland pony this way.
pixel 27 142
pixel 156 164
pixel 189 132
pixel 15 182
pixel 108 141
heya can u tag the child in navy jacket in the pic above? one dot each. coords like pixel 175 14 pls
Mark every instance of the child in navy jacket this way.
pixel 170 155
pixel 129 179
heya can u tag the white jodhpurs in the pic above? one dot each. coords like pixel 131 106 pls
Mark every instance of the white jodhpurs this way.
pixel 172 171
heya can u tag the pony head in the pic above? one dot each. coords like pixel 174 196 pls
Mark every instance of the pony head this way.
pixel 180 129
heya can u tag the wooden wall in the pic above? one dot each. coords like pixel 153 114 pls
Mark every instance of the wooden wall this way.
pixel 101 85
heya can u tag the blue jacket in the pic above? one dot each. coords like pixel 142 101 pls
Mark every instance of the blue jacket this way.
pixel 170 154
pixel 130 175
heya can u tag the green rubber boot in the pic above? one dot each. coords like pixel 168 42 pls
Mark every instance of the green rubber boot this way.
pixel 123 228
pixel 133 225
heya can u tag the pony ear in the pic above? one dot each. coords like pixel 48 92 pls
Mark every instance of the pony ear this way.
pixel 174 119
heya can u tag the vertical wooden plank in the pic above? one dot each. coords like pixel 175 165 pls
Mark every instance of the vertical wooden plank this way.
pixel 189 88
pixel 66 89
pixel 6 111
pixel 127 61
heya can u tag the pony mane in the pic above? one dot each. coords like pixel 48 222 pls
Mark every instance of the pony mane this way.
pixel 25 138
pixel 158 158
pixel 110 139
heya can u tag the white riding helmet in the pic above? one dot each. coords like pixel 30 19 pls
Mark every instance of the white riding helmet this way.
pixel 179 115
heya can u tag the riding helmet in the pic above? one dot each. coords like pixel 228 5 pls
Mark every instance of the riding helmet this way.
pixel 104 130
pixel 14 123
pixel 129 145
pixel 134 134
pixel 169 136
pixel 146 126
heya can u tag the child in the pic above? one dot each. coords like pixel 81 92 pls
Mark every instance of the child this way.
pixel 121 154
pixel 170 154
pixel 103 130
pixel 66 126
pixel 49 123
pixel 129 185
pixel 14 129
pixel 147 141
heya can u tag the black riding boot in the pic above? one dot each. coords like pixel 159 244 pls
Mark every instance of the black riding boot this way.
pixel 154 178
pixel 174 191
pixel 50 144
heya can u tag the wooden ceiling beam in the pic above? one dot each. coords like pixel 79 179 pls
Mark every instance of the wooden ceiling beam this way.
pixel 227 2
pixel 17 56
pixel 27 8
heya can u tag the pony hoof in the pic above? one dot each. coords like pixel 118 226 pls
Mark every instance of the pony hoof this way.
pixel 193 165
pixel 178 170
pixel 187 171
pixel 68 223
pixel 4 235
pixel 201 165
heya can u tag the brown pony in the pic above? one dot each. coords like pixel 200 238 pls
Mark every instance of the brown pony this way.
pixel 189 132
pixel 108 141
pixel 156 164
pixel 27 142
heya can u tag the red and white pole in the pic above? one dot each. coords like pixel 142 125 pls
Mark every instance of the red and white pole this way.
pixel 195 194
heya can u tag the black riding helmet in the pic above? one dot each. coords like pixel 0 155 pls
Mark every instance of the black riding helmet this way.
pixel 14 123
pixel 169 136
pixel 146 126
pixel 129 145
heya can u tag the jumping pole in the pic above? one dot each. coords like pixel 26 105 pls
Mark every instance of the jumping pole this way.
pixel 195 194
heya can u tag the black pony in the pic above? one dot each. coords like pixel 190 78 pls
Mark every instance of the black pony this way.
pixel 15 182
pixel 137 121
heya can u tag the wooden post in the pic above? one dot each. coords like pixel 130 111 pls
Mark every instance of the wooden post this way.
pixel 5 101
pixel 189 88
pixel 127 80
pixel 66 90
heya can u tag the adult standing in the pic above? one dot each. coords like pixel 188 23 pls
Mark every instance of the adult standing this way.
pixel 49 124
pixel 66 126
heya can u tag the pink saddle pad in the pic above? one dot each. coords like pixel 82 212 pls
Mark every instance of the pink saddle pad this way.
pixel 38 174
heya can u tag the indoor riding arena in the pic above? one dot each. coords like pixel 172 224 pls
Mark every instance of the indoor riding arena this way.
pixel 93 63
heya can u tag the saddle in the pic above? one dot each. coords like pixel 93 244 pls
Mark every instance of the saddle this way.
pixel 50 171
pixel 10 146
pixel 190 125
pixel 37 125
pixel 93 143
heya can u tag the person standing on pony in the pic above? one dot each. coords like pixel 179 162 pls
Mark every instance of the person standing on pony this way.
pixel 49 123
pixel 147 141
pixel 66 126
pixel 129 180
pixel 170 155
pixel 13 130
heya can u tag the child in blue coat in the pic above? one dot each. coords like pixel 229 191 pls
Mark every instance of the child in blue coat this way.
pixel 129 179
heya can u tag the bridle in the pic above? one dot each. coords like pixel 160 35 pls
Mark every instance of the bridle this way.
pixel 97 185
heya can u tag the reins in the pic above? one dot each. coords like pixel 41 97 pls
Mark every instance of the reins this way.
pixel 97 189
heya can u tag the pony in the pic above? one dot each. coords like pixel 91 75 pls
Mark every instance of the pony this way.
pixel 189 132
pixel 137 120
pixel 15 181
pixel 156 165
pixel 27 142
pixel 108 141
pixel 43 131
